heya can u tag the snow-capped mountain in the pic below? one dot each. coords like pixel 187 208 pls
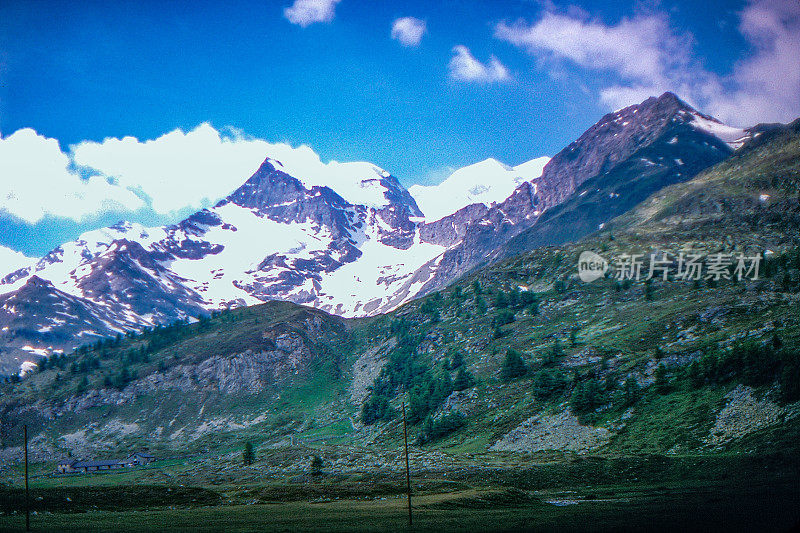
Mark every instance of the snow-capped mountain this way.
pixel 614 155
pixel 347 237
pixel 487 182
pixel 276 237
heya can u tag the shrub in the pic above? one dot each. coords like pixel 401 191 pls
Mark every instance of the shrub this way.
pixel 504 316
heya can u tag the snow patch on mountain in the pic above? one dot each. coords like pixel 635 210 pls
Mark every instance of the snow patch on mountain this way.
pixel 486 182
pixel 360 183
pixel 381 279
pixel 246 238
pixel 733 137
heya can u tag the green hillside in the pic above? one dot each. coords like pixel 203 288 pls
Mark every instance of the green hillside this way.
pixel 519 357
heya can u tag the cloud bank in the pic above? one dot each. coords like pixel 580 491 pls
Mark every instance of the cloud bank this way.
pixel 408 30
pixel 647 57
pixel 307 12
pixel 464 67
pixel 167 175
pixel 11 260
pixel 38 179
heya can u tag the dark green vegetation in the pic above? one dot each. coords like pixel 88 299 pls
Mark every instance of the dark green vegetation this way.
pixel 653 494
pixel 519 365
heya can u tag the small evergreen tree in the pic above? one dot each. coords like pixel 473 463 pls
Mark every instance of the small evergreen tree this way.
pixel 573 336
pixel 316 465
pixel 457 361
pixel 504 316
pixel 661 380
pixel 631 391
pixel 648 289
pixel 790 377
pixel 464 380
pixel 587 396
pixel 248 455
pixel 476 289
pixel 556 351
pixel 513 366
pixel 500 300
pixel 83 385
pixel 548 384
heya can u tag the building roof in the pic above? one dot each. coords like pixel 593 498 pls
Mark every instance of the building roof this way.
pixel 90 464
pixel 74 463
pixel 142 454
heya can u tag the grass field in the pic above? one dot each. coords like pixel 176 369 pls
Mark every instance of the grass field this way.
pixel 755 508
pixel 591 494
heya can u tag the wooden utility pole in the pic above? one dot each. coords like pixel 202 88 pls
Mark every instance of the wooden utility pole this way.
pixel 27 500
pixel 408 469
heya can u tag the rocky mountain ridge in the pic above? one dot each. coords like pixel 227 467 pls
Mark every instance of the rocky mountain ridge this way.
pixel 291 237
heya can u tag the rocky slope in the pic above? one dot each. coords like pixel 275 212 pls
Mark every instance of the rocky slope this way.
pixel 611 167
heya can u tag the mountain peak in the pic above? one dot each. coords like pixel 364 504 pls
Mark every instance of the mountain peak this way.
pixel 36 281
pixel 302 173
pixel 654 109
pixel 672 99
pixel 486 182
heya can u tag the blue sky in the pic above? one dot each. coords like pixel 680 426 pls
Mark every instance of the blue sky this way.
pixel 462 80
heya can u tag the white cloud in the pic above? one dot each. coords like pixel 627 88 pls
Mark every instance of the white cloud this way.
pixel 408 30
pixel 307 12
pixel 11 260
pixel 639 49
pixel 464 67
pixel 164 177
pixel 767 83
pixel 37 179
pixel 649 57
pixel 177 170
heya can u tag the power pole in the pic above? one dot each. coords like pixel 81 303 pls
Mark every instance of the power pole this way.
pixel 408 469
pixel 27 499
